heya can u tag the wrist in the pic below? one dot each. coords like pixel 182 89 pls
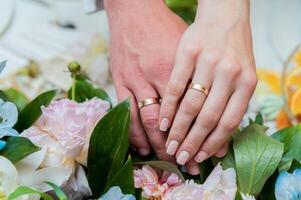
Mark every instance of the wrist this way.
pixel 126 14
pixel 124 7
pixel 223 12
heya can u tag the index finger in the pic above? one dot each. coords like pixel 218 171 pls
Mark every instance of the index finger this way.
pixel 181 74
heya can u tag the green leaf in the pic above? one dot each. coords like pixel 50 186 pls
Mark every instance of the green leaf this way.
pixel 291 137
pixel 180 4
pixel 295 165
pixel 3 96
pixel 259 119
pixel 108 147
pixel 257 156
pixel 268 191
pixel 206 168
pixel 185 9
pixel 20 191
pixel 124 178
pixel 58 191
pixel 163 165
pixel 85 91
pixel 228 161
pixel 31 113
pixel 17 98
pixel 18 148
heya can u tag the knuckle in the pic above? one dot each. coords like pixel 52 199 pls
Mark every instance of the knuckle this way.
pixel 230 67
pixel 210 119
pixel 176 89
pixel 190 106
pixel 192 145
pixel 230 125
pixel 151 123
pixel 177 132
pixel 210 58
pixel 190 49
pixel 250 80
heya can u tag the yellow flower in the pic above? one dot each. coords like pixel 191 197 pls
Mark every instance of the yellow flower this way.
pixel 271 79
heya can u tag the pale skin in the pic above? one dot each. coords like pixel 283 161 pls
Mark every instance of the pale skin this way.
pixel 155 54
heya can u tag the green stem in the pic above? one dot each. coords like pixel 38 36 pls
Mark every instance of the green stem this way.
pixel 73 88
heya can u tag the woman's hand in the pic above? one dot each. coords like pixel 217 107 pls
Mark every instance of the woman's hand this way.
pixel 215 52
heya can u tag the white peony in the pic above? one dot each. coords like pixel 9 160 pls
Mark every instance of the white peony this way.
pixel 9 179
pixel 51 164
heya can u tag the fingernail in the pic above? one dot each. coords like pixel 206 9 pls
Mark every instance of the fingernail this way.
pixel 144 152
pixel 164 124
pixel 183 157
pixel 195 170
pixel 172 147
pixel 201 156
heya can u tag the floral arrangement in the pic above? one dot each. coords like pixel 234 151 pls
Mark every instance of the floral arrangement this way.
pixel 278 95
pixel 74 145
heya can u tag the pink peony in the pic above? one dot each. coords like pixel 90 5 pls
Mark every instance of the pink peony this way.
pixel 221 184
pixel 71 124
pixel 63 132
pixel 153 187
pixel 187 191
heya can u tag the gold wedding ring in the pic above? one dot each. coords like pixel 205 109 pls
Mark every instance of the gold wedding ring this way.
pixel 148 101
pixel 199 88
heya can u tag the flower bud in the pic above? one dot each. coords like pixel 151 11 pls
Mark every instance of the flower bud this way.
pixel 74 67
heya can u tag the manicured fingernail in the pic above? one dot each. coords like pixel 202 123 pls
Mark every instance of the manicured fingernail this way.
pixel 195 170
pixel 201 156
pixel 183 157
pixel 172 147
pixel 144 152
pixel 164 124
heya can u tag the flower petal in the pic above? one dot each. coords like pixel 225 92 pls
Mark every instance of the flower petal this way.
pixel 2 144
pixel 288 186
pixel 214 178
pixel 36 179
pixel 8 132
pixel 8 114
pixel 9 176
pixel 116 194
pixel 31 162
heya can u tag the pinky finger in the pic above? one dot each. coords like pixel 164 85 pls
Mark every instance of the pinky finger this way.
pixel 225 128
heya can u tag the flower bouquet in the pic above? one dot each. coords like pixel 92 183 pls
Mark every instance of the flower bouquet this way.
pixel 74 145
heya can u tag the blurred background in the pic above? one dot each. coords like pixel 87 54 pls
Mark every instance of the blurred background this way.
pixel 38 38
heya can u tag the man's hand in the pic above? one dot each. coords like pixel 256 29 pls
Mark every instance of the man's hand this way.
pixel 144 38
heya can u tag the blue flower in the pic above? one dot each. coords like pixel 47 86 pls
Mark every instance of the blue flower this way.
pixel 115 193
pixel 8 118
pixel 288 186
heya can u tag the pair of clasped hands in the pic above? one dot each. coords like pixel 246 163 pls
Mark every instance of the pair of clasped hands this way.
pixel 204 73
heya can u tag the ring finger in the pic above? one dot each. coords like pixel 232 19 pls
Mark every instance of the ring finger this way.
pixel 207 119
pixel 150 118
